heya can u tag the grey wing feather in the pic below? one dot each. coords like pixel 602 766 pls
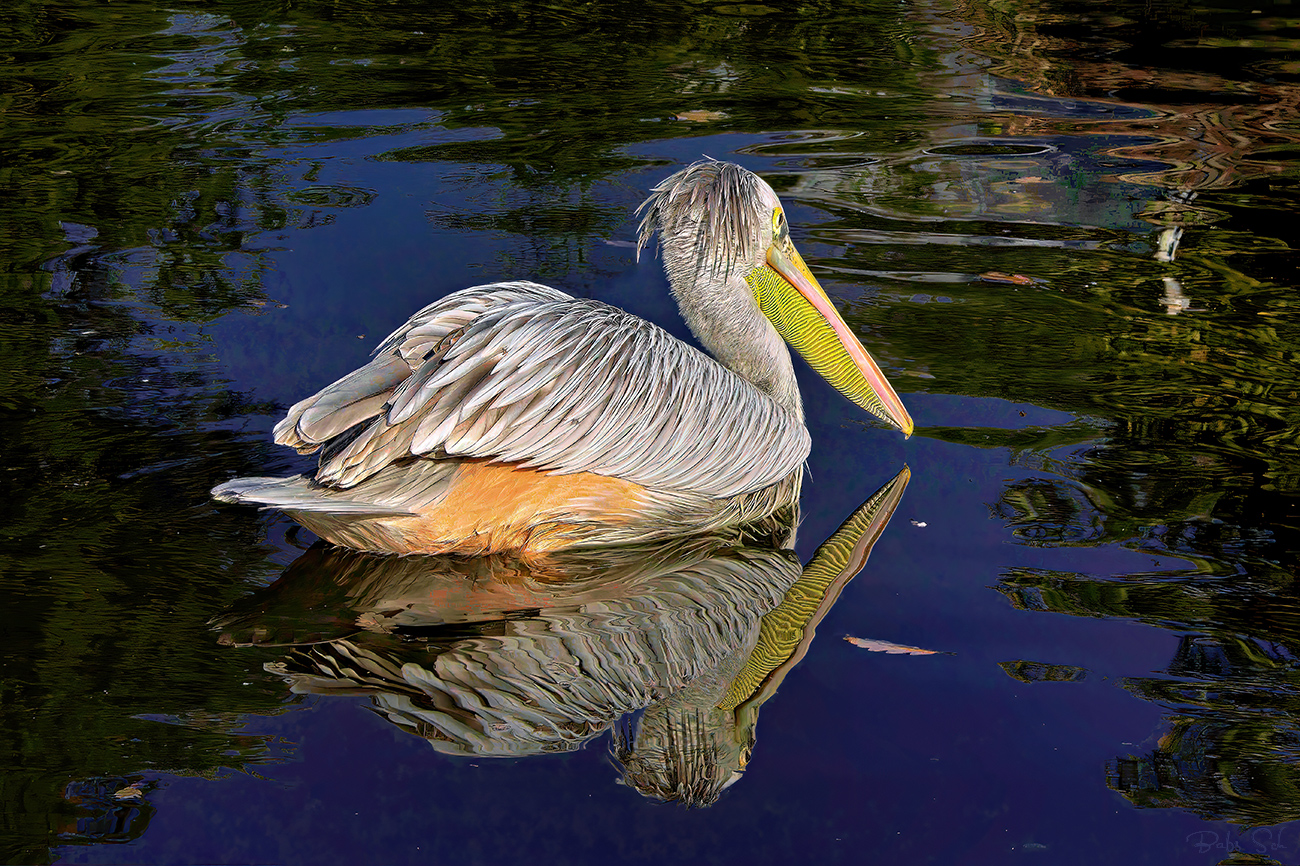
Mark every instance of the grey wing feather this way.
pixel 521 373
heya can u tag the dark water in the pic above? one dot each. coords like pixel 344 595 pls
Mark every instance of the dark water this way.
pixel 1066 230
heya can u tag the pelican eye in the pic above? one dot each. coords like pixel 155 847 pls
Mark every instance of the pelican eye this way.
pixel 780 229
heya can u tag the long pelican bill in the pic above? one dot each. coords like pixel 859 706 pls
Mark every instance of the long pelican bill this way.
pixel 790 296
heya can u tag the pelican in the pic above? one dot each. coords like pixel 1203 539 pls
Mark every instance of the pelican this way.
pixel 514 417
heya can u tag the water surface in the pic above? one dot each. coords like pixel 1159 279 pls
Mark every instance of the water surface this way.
pixel 1067 233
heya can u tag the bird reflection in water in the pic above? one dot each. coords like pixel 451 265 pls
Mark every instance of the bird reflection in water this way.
pixel 507 656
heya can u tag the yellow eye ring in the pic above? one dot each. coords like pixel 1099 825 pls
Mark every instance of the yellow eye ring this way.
pixel 780 229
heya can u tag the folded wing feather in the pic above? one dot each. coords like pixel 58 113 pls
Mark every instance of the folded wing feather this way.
pixel 521 373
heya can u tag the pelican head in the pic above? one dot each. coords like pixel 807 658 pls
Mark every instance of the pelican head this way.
pixel 740 283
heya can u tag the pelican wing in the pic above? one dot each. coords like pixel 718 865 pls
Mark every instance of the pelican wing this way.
pixel 525 374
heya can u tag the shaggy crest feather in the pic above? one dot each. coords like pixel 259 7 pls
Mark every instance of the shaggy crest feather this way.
pixel 715 200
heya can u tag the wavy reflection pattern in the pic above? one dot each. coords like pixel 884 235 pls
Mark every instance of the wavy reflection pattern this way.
pixel 497 656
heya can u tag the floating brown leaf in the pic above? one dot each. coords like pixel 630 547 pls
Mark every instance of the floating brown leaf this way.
pixel 999 277
pixel 700 115
pixel 884 646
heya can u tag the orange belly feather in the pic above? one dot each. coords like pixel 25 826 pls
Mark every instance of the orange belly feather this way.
pixel 490 508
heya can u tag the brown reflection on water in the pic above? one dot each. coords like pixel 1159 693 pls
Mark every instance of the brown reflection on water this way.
pixel 1214 128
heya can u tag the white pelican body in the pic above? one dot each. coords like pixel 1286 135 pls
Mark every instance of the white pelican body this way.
pixel 512 416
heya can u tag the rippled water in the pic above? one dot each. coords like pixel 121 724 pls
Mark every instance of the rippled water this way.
pixel 1067 232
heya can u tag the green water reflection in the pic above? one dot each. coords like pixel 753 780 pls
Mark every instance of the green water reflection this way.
pixel 1135 167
